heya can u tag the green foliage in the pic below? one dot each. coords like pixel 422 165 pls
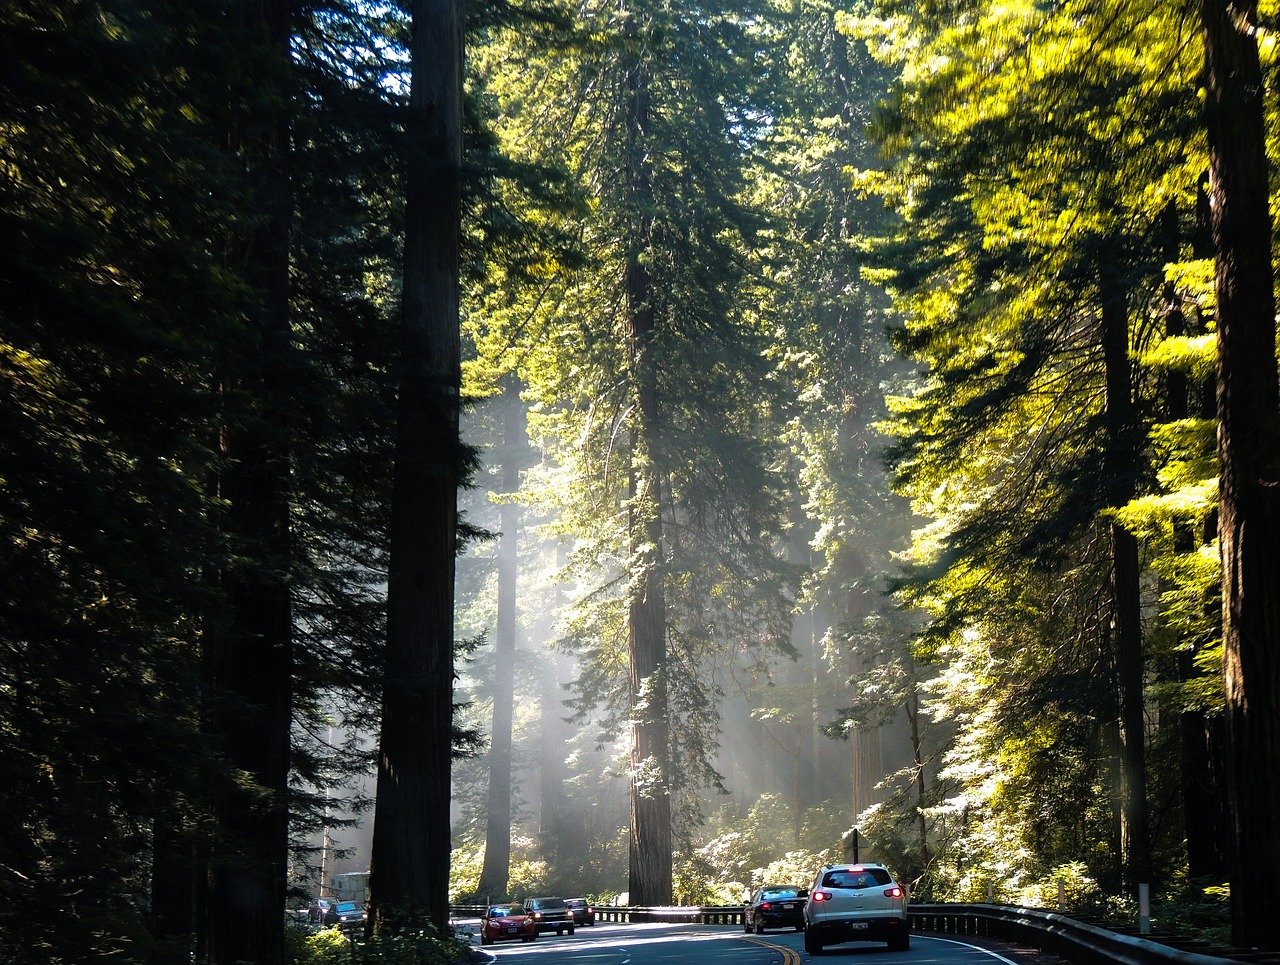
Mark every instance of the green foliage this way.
pixel 745 852
pixel 527 875
pixel 1199 910
pixel 330 946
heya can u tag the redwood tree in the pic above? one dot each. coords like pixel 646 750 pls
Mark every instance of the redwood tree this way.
pixel 409 881
pixel 1248 457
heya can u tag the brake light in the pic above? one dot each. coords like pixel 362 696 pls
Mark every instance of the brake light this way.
pixel 894 892
pixel 821 896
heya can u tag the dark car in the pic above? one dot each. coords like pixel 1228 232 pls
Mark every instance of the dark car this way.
pixel 774 906
pixel 583 913
pixel 501 923
pixel 550 914
pixel 347 915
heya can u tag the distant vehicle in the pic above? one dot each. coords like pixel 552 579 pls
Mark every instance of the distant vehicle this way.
pixel 774 906
pixel 501 923
pixel 348 914
pixel 855 903
pixel 583 913
pixel 550 914
pixel 318 908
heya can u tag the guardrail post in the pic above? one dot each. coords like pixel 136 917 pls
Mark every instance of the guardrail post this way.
pixel 1144 909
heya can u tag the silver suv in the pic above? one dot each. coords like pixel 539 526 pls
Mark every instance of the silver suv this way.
pixel 855 903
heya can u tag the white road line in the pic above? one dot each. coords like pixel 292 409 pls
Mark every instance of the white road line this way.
pixel 1007 961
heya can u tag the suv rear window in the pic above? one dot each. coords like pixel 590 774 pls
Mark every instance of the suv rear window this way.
pixel 861 878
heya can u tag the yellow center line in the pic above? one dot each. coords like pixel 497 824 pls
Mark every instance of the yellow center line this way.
pixel 789 955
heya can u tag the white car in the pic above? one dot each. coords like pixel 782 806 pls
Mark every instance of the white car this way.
pixel 855 903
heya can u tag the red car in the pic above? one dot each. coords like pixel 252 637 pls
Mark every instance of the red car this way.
pixel 501 923
pixel 583 913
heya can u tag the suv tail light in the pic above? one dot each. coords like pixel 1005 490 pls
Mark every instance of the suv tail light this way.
pixel 894 892
pixel 821 896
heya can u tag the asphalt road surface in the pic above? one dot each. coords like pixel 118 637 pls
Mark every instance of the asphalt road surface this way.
pixel 663 944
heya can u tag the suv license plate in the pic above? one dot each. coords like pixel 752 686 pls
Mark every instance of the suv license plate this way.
pixel 857 925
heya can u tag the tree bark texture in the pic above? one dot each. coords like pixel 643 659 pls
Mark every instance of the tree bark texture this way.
pixel 651 832
pixel 249 663
pixel 1248 406
pixel 1123 442
pixel 409 881
pixel 650 787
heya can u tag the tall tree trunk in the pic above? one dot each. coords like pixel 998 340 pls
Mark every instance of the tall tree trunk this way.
pixel 409 880
pixel 497 848
pixel 249 663
pixel 1122 445
pixel 1248 451
pixel 650 786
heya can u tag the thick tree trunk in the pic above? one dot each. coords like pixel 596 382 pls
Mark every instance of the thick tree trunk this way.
pixel 497 849
pixel 409 881
pixel 651 832
pixel 1122 444
pixel 1248 451
pixel 249 663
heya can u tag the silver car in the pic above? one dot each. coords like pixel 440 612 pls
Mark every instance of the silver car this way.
pixel 855 903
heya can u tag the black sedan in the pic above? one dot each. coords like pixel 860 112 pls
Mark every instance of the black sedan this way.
pixel 774 906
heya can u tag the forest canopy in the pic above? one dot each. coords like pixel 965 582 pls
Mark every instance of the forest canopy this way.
pixel 671 440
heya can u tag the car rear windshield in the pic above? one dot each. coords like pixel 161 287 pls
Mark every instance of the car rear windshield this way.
pixel 862 878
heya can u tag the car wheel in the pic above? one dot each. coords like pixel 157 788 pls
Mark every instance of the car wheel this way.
pixel 800 927
pixel 759 925
pixel 901 943
pixel 486 940
pixel 528 938
pixel 559 932
pixel 570 929
pixel 812 944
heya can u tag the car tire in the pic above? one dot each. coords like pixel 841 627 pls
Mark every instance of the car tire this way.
pixel 800 927
pixel 486 940
pixel 529 938
pixel 812 943
pixel 759 925
pixel 559 932
pixel 901 943
pixel 571 929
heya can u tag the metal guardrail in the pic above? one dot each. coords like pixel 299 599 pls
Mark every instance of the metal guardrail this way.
pixel 631 915
pixel 1077 941
pixel 1080 942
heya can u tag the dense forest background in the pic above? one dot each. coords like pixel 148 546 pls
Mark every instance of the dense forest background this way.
pixel 616 447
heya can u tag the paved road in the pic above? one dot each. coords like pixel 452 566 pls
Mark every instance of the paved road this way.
pixel 665 944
